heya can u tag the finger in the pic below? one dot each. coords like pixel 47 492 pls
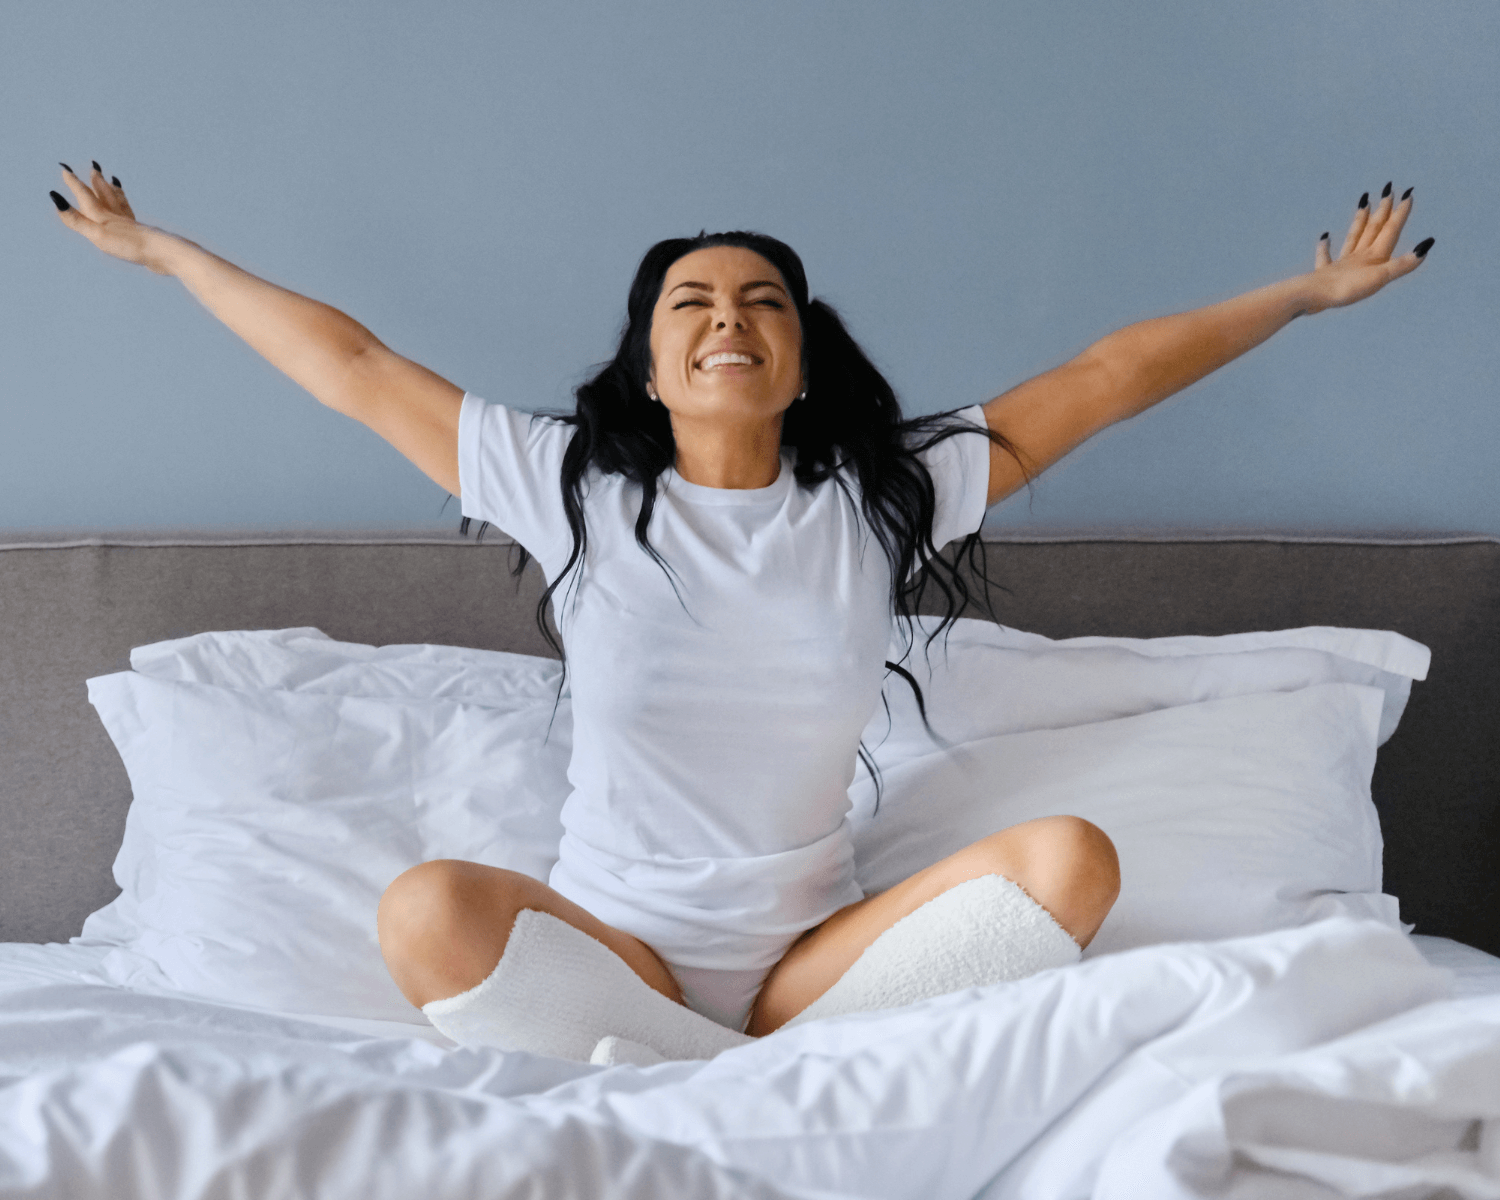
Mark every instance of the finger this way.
pixel 1356 226
pixel 1390 234
pixel 74 219
pixel 83 195
pixel 1377 221
pixel 111 193
pixel 1321 258
pixel 1411 260
pixel 106 191
pixel 120 192
pixel 1404 265
pixel 88 203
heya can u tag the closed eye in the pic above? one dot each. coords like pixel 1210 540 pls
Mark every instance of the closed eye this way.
pixel 704 303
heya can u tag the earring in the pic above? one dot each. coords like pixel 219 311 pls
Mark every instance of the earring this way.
pixel 654 397
pixel 802 395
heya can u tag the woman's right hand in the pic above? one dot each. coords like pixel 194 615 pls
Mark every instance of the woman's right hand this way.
pixel 104 216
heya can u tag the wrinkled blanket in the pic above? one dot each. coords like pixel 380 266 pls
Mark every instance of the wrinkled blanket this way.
pixel 1329 1060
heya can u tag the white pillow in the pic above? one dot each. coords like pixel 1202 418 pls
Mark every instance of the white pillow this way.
pixel 981 679
pixel 260 782
pixel 308 660
pixel 266 823
pixel 1231 817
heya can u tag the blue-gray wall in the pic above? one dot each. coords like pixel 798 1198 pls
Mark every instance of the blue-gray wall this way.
pixel 983 189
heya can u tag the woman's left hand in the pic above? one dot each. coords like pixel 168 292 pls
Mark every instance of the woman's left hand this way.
pixel 1365 264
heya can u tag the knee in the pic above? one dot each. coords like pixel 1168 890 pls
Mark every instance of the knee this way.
pixel 425 907
pixel 1067 864
pixel 1083 853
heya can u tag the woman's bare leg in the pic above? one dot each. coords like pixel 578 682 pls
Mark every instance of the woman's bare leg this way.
pixel 1066 864
pixel 443 926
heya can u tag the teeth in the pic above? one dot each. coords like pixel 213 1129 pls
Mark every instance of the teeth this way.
pixel 718 360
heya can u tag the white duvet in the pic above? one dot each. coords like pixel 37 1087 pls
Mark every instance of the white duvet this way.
pixel 1328 1060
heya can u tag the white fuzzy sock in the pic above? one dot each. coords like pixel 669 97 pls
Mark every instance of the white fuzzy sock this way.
pixel 985 930
pixel 558 991
pixel 612 1051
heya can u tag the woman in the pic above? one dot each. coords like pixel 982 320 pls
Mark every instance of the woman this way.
pixel 728 525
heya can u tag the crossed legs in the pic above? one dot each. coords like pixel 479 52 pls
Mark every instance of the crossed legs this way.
pixel 444 924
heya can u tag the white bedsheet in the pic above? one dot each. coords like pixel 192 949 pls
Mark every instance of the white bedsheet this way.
pixel 1475 973
pixel 1324 1061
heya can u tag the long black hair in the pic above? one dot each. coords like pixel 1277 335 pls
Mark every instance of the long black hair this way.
pixel 849 423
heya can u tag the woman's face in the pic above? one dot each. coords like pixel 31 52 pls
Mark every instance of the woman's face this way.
pixel 725 338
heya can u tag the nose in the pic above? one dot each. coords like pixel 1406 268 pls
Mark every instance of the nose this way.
pixel 721 318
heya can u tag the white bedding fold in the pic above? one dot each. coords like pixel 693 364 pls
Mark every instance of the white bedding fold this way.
pixel 1403 1107
pixel 1054 1086
pixel 1034 1078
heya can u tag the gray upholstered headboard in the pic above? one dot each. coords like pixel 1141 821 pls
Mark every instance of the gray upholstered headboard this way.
pixel 73 609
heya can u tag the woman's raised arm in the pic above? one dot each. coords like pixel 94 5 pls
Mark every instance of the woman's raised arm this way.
pixel 325 351
pixel 1126 372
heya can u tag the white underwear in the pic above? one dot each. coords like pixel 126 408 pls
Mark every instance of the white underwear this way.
pixel 722 996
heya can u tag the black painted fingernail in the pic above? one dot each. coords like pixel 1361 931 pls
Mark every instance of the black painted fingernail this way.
pixel 1383 194
pixel 115 179
pixel 1364 201
pixel 1407 193
pixel 100 169
pixel 1324 238
pixel 67 168
pixel 62 205
pixel 1421 248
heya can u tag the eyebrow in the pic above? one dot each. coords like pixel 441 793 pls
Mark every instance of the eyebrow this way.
pixel 706 287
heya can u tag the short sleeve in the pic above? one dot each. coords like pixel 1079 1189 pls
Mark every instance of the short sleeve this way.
pixel 510 474
pixel 960 469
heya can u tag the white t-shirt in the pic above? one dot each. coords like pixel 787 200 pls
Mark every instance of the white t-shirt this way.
pixel 715 724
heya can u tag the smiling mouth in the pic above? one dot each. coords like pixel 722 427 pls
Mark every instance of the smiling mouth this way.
pixel 727 358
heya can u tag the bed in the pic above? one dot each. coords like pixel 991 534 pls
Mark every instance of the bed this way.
pixel 1301 995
